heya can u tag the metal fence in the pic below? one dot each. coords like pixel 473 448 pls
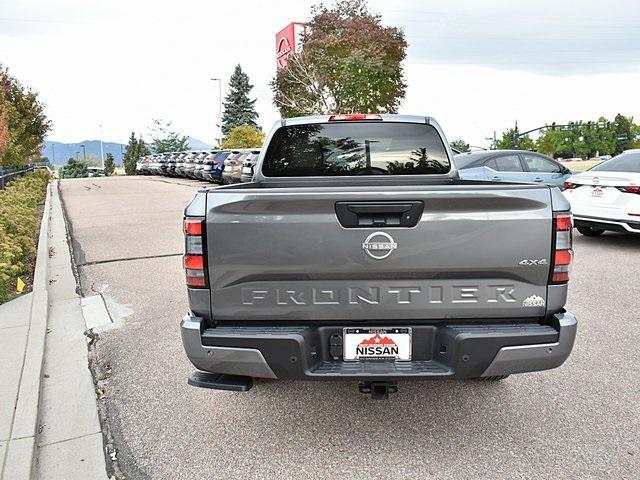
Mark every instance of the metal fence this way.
pixel 8 175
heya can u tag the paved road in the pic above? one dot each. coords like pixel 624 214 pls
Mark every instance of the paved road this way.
pixel 579 421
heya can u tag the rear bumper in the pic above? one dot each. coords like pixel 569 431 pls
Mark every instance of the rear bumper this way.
pixel 439 351
pixel 607 223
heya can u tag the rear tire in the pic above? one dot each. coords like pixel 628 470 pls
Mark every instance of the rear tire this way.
pixel 590 231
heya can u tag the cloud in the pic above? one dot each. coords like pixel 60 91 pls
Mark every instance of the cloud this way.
pixel 474 65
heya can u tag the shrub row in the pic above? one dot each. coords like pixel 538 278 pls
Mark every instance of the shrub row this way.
pixel 19 228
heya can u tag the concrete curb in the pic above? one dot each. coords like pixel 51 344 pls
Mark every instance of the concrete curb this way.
pixel 20 456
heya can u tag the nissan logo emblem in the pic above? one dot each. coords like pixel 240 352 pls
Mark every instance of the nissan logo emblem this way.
pixel 379 245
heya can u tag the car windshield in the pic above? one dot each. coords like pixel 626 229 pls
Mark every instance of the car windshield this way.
pixel 359 148
pixel 625 162
pixel 222 156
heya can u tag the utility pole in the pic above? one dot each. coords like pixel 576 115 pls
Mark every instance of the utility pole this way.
pixel 493 141
pixel 101 149
pixel 219 125
pixel 53 154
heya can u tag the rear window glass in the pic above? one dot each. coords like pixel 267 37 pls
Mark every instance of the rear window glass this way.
pixel 466 160
pixel 625 162
pixel 222 156
pixel 359 148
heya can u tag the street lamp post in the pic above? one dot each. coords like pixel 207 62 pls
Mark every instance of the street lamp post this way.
pixel 101 149
pixel 219 125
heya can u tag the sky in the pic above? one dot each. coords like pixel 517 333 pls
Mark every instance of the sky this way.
pixel 104 69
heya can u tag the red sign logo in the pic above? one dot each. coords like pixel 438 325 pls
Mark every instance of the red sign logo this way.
pixel 288 42
pixel 283 51
pixel 377 346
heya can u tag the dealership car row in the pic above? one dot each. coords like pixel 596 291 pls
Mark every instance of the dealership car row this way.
pixel 604 198
pixel 217 166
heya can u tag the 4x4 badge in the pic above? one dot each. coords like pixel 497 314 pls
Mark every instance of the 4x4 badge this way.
pixel 533 262
pixel 379 245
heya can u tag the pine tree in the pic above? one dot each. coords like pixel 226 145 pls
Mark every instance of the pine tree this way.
pixel 135 150
pixel 109 165
pixel 238 108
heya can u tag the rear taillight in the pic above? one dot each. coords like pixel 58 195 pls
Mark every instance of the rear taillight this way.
pixel 570 186
pixel 194 260
pixel 630 189
pixel 563 248
pixel 350 117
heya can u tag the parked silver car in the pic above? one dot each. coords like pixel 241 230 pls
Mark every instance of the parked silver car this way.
pixel 233 166
pixel 511 166
pixel 248 166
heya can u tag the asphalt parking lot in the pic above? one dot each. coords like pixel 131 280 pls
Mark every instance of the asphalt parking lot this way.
pixel 579 421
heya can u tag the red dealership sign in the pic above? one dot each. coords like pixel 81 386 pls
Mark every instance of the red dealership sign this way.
pixel 288 41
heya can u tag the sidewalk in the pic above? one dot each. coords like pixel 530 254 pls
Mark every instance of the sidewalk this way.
pixel 49 427
pixel 14 331
pixel 70 439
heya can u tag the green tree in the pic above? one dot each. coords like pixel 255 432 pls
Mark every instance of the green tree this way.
pixel 134 151
pixel 578 139
pixel 460 145
pixel 109 165
pixel 75 169
pixel 238 107
pixel 164 139
pixel 623 130
pixel 244 136
pixel 349 63
pixel 23 124
pixel 511 139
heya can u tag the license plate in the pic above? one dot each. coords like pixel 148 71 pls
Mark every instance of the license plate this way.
pixel 597 191
pixel 246 170
pixel 377 343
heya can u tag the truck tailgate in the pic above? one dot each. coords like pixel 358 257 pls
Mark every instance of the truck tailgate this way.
pixel 477 251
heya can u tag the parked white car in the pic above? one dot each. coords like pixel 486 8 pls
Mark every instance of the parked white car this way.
pixel 607 197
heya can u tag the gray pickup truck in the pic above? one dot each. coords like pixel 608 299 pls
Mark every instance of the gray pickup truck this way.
pixel 357 253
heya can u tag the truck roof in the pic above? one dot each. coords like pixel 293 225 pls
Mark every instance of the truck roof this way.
pixel 385 117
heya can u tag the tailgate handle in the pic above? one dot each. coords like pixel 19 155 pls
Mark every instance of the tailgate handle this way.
pixel 379 214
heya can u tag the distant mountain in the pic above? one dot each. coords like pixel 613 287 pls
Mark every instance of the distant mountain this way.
pixel 195 144
pixel 59 152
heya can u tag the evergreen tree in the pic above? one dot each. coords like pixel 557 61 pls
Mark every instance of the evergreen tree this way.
pixel 109 165
pixel 238 108
pixel 136 149
pixel 75 169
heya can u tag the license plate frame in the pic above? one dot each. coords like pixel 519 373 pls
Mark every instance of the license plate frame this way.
pixel 371 351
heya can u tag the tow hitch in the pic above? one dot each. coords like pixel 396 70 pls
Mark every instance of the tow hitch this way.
pixel 378 390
